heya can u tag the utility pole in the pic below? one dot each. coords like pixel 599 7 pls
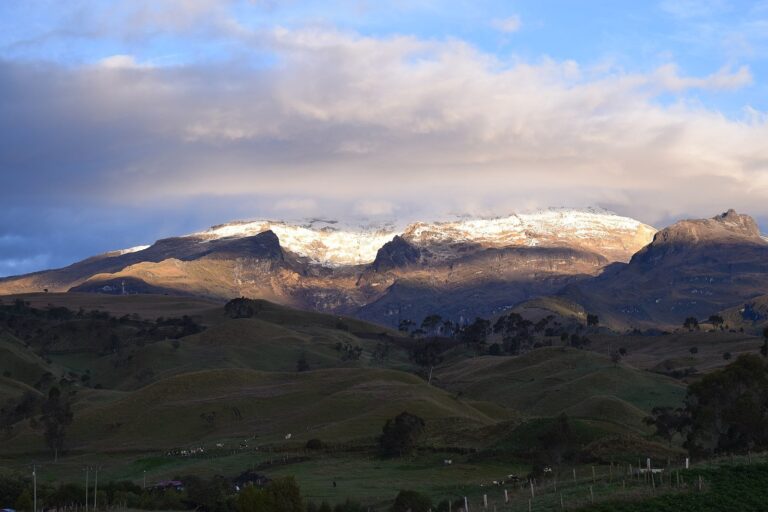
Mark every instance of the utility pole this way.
pixel 87 474
pixel 96 490
pixel 34 485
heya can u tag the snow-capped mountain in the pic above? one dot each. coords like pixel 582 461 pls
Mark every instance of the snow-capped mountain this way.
pixel 333 244
pixel 459 268
pixel 321 242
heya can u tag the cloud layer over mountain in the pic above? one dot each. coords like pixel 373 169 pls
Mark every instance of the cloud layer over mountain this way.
pixel 319 120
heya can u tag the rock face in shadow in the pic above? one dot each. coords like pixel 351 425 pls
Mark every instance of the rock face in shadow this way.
pixel 692 268
pixel 394 254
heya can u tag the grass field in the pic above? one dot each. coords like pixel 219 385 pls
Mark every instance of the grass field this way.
pixel 549 381
pixel 237 381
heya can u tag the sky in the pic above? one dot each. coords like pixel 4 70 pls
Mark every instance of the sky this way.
pixel 122 122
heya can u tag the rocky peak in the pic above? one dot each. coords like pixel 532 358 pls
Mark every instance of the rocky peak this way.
pixel 396 253
pixel 265 246
pixel 728 227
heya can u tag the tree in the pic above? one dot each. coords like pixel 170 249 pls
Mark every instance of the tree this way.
pixel 57 416
pixel 476 333
pixel 691 323
pixel 254 499
pixel 24 501
pixel 242 308
pixel 728 409
pixel 727 356
pixel 667 421
pixel 694 350
pixel 400 436
pixel 314 444
pixel 716 321
pixel 405 325
pixel 426 354
pixel 615 356
pixel 494 350
pixel 411 501
pixel 592 320
pixel 431 323
pixel 285 494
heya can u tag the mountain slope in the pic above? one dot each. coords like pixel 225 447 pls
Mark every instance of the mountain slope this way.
pixel 692 268
pixel 462 268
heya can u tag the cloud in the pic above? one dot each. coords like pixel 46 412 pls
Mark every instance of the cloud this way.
pixel 346 124
pixel 508 25
pixel 305 206
pixel 121 62
pixel 373 207
pixel 668 77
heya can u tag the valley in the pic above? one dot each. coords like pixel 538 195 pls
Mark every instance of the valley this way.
pixel 253 383
pixel 514 351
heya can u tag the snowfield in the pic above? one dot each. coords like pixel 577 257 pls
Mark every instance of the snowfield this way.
pixel 334 244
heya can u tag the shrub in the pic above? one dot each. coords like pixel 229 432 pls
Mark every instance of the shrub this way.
pixel 411 501
pixel 400 436
pixel 314 444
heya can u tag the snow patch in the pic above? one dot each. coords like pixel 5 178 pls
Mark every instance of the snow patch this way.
pixel 132 249
pixel 334 244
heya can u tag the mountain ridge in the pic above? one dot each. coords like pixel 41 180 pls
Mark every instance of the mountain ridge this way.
pixel 470 266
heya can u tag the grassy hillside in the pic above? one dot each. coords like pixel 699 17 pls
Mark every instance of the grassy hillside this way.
pixel 548 381
pixel 334 405
pixel 674 350
pixel 146 306
pixel 237 379
pixel 19 363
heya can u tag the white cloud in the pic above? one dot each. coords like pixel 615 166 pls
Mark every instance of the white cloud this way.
pixel 668 77
pixel 377 126
pixel 304 206
pixel 508 25
pixel 373 207
pixel 121 62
